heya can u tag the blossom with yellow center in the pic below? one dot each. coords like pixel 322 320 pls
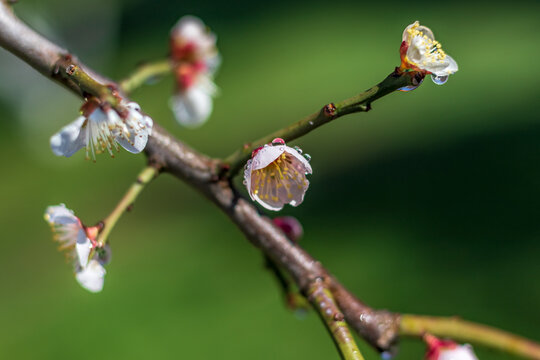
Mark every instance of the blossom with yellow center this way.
pixel 276 175
pixel 421 52
pixel 101 128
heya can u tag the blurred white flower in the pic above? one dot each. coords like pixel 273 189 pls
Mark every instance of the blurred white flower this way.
pixel 78 241
pixel 69 232
pixel 461 352
pixel 447 350
pixel 421 52
pixel 196 59
pixel 100 128
pixel 276 175
pixel 92 276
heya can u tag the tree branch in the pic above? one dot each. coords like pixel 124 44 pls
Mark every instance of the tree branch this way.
pixel 379 327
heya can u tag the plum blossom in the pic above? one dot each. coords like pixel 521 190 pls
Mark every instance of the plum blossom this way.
pixel 421 52
pixel 78 241
pixel 447 350
pixel 101 128
pixel 276 175
pixel 196 59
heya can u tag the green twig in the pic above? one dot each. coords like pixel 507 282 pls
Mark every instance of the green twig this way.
pixel 465 331
pixel 322 300
pixel 361 102
pixel 125 203
pixel 145 73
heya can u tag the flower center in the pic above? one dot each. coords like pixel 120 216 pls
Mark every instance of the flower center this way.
pixel 430 50
pixel 274 182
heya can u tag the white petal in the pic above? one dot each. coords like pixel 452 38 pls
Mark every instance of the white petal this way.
pixel 266 155
pixel 83 247
pixel 266 205
pixel 192 29
pixel 69 139
pixel 448 66
pixel 463 352
pixel 60 215
pixel 92 276
pixel 192 107
pixel 136 129
pixel 302 159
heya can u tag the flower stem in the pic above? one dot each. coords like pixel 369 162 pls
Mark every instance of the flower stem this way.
pixel 134 190
pixel 322 300
pixel 358 103
pixel 145 73
pixel 465 331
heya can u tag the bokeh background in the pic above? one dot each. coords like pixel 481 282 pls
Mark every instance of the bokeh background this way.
pixel 427 204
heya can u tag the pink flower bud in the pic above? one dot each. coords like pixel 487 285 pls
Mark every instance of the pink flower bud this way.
pixel 290 226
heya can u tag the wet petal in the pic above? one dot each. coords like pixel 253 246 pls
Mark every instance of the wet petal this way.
pixel 137 128
pixel 277 176
pixel 69 139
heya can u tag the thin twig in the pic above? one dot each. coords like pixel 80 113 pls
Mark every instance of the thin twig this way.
pixel 322 300
pixel 145 73
pixel 461 330
pixel 144 177
pixel 359 103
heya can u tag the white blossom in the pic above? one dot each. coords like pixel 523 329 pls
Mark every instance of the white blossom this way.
pixel 102 129
pixel 276 175
pixel 421 51
pixel 78 241
pixel 196 59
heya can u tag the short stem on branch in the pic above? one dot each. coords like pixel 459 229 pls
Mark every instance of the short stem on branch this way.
pixel 134 190
pixel 322 300
pixel 358 103
pixel 465 331
pixel 145 73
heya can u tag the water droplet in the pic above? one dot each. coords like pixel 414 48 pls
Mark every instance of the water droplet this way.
pixel 308 157
pixel 311 123
pixel 244 182
pixel 278 141
pixel 439 80
pixel 298 149
pixel 386 355
pixel 411 87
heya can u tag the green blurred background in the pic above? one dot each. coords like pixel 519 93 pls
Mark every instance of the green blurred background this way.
pixel 427 204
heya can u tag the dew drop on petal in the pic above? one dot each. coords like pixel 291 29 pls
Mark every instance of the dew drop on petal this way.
pixel 439 80
pixel 298 149
pixel 278 141
pixel 308 157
